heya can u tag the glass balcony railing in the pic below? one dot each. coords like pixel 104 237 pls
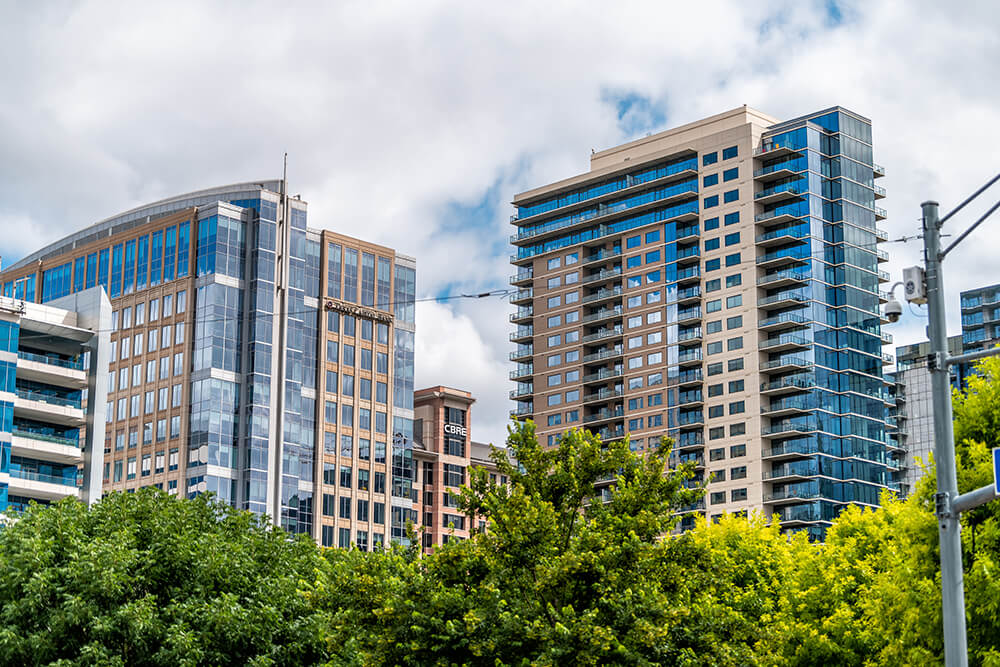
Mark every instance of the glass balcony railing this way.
pixel 35 435
pixel 52 359
pixel 41 477
pixel 602 210
pixel 50 399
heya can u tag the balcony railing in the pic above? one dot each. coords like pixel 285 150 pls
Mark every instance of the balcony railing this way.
pixel 40 477
pixel 777 276
pixel 48 398
pixel 602 275
pixel 603 354
pixel 602 334
pixel 52 360
pixel 35 435
pixel 601 255
pixel 603 374
pixel 602 294
pixel 602 314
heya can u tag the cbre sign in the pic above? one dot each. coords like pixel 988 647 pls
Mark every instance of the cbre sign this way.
pixel 455 429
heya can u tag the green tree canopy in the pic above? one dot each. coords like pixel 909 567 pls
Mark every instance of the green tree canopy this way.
pixel 146 579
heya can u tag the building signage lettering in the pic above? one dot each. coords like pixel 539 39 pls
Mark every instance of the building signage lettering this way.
pixel 357 311
pixel 455 429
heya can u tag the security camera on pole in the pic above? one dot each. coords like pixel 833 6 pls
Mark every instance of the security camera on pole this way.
pixel 925 285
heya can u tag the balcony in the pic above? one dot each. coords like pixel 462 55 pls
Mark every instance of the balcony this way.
pixel 523 371
pixel 51 369
pixel 879 192
pixel 687 233
pixel 689 294
pixel 782 430
pixel 783 278
pixel 785 364
pixel 792 471
pixel 522 335
pixel 790 496
pixel 783 299
pixel 45 447
pixel 603 314
pixel 603 355
pixel 604 415
pixel 689 377
pixel 769 151
pixel 791 320
pixel 601 256
pixel 878 171
pixel 606 394
pixel 522 410
pixel 780 193
pixel 689 357
pixel 776 216
pixel 688 255
pixel 522 296
pixel 606 274
pixel 788 406
pixel 602 295
pixel 611 433
pixel 780 170
pixel 880 213
pixel 522 353
pixel 791 449
pixel 787 385
pixel 522 276
pixel 688 315
pixel 521 393
pixel 689 335
pixel 690 398
pixel 613 332
pixel 523 313
pixel 690 439
pixel 688 274
pixel 44 407
pixel 881 234
pixel 785 342
pixel 779 236
pixel 797 254
pixel 602 375
pixel 38 485
pixel 693 418
pixel 52 359
pixel 882 255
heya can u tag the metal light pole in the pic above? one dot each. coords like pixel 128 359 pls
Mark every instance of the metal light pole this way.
pixel 948 503
pixel 949 528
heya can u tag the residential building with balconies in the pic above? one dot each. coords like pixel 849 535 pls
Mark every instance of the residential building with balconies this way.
pixel 52 398
pixel 717 283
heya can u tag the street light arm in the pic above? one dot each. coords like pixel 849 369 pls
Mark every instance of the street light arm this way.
pixel 970 229
pixel 968 199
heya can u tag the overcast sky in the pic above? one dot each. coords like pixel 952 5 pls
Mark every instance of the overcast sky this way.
pixel 412 124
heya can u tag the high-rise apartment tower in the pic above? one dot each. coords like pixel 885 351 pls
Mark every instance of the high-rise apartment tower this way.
pixel 251 356
pixel 717 283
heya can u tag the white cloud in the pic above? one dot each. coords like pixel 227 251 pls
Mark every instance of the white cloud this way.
pixel 393 112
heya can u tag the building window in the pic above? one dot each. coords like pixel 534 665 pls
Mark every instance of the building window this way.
pixel 737 495
pixel 711 223
pixel 731 174
pixel 733 260
pixel 710 180
pixel 709 158
pixel 730 153
pixel 717 454
pixel 740 472
pixel 732 218
pixel 711 202
pixel 731 196
pixel 737 407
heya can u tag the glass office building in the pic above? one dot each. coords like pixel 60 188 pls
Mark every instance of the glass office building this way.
pixel 980 318
pixel 251 356
pixel 717 283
